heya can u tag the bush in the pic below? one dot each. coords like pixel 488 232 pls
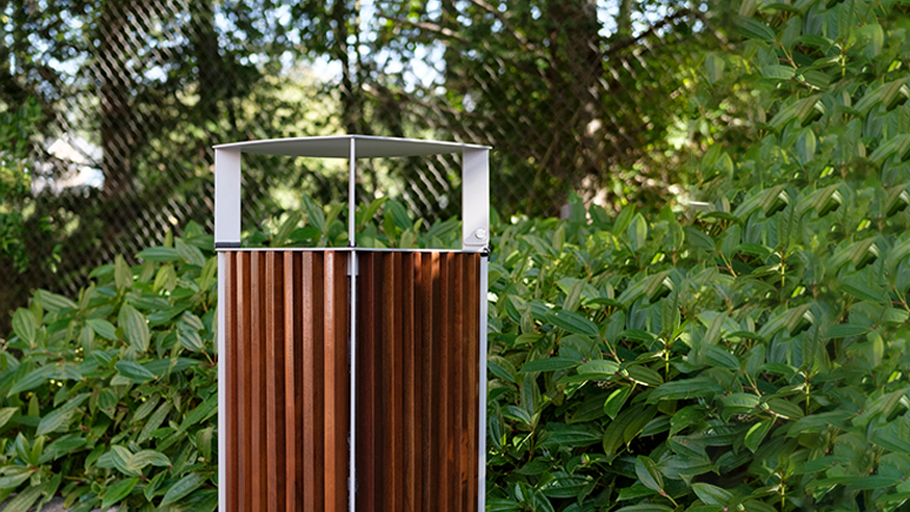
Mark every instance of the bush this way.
pixel 750 351
pixel 111 398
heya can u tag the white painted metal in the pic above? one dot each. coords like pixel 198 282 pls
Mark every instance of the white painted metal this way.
pixel 475 199
pixel 227 198
pixel 352 346
pixel 337 146
pixel 222 381
pixel 352 200
pixel 482 409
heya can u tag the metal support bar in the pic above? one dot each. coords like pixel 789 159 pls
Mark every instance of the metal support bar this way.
pixel 475 199
pixel 227 198
pixel 352 347
pixel 352 201
pixel 222 381
pixel 482 409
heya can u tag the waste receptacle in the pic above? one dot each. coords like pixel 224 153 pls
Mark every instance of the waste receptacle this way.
pixel 351 378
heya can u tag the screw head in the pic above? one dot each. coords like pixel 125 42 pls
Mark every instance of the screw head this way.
pixel 480 234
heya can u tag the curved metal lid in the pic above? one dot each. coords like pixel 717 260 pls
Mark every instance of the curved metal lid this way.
pixel 475 203
pixel 338 146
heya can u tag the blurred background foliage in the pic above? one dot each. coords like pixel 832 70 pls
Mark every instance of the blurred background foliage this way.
pixel 127 98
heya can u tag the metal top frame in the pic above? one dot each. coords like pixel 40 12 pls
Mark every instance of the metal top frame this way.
pixel 338 146
pixel 475 177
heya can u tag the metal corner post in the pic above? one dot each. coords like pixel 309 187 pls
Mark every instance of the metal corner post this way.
pixel 475 199
pixel 352 345
pixel 482 407
pixel 222 380
pixel 227 234
pixel 227 198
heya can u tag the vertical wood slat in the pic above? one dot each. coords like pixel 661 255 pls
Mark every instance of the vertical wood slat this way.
pixel 417 413
pixel 287 344
pixel 231 317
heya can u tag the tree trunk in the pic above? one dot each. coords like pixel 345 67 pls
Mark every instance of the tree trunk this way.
pixel 352 110
pixel 117 124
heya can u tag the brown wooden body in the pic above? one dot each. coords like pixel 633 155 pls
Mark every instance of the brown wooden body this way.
pixel 287 404
pixel 287 335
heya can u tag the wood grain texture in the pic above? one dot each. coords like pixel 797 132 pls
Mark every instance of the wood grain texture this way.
pixel 417 353
pixel 287 350
pixel 287 330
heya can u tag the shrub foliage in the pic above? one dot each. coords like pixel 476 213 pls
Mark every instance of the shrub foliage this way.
pixel 746 353
pixel 110 398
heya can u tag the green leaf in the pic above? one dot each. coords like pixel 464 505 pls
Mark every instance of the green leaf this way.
pixel 54 302
pixel 183 487
pixel 648 474
pixel 644 375
pixel 778 72
pixel 190 340
pixel 698 387
pixel 159 253
pixel 7 414
pixel 718 357
pixel 13 476
pixel 60 417
pixel 711 494
pixel 118 491
pixel 135 327
pixel 645 507
pixel 863 293
pixel 754 29
pixel 571 437
pixel 202 412
pixel 756 434
pixel 714 67
pixel 207 276
pixel 24 325
pixel 189 253
pixel 143 458
pixel 846 330
pixel 548 364
pixel 599 368
pixel 123 274
pixel 785 409
pixel 134 371
pixel 24 500
pixel 154 422
pixel 573 322
pixel 32 379
pixel 102 328
pixel 616 400
pixel 741 401
pixel 120 457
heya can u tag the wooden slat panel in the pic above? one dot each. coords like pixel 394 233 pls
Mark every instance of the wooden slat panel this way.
pixel 417 402
pixel 287 343
pixel 417 373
